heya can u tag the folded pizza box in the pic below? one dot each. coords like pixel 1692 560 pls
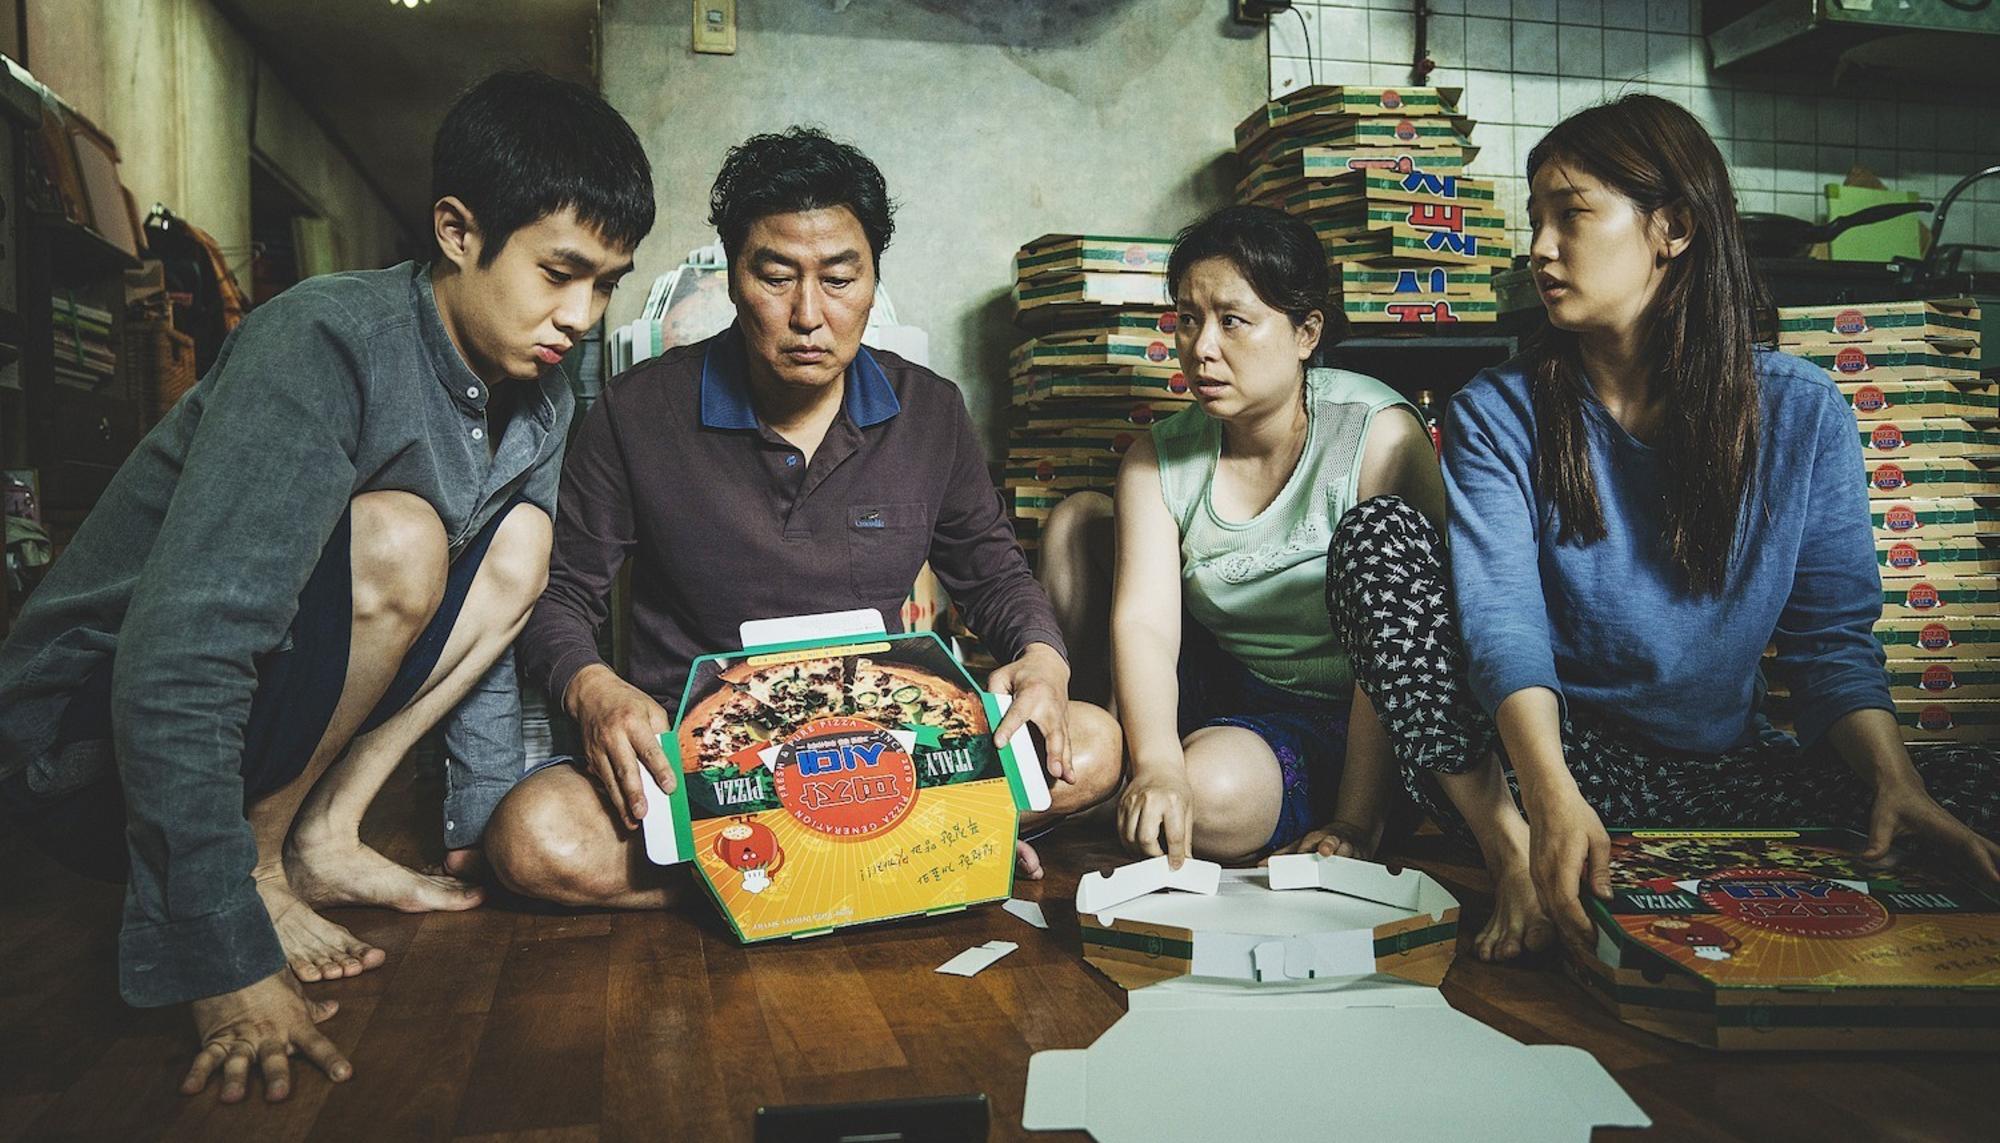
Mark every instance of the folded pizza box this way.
pixel 1037 386
pixel 1271 183
pixel 1932 478
pixel 1964 595
pixel 1082 412
pixel 1150 355
pixel 1955 636
pixel 1953 321
pixel 1085 292
pixel 1894 361
pixel 837 781
pixel 1026 467
pixel 1364 280
pixel 1034 502
pixel 1402 244
pixel 1345 100
pixel 1969 399
pixel 1784 938
pixel 1955 517
pixel 1077 439
pixel 1380 188
pixel 1449 218
pixel 1959 720
pixel 1421 133
pixel 1916 681
pixel 1372 311
pixel 1302 917
pixel 1921 557
pixel 1077 253
pixel 1939 437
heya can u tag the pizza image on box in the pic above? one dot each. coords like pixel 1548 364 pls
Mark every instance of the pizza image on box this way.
pixel 836 782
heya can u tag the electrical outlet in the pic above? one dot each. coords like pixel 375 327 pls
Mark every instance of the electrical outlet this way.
pixel 1257 11
pixel 715 27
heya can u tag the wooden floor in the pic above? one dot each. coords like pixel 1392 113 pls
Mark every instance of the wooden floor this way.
pixel 523 1024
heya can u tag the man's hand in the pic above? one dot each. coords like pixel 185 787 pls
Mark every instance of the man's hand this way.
pixel 1039 684
pixel 263 1024
pixel 1905 809
pixel 1567 848
pixel 1156 804
pixel 1338 839
pixel 621 730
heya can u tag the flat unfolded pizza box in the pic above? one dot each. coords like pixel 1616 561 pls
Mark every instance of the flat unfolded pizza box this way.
pixel 1776 939
pixel 1360 280
pixel 1921 557
pixel 1403 244
pixel 1365 1059
pixel 1941 595
pixel 1345 100
pixel 1944 437
pixel 1957 636
pixel 1033 386
pixel 1960 516
pixel 1378 188
pixel 1932 477
pixel 1374 311
pixel 1066 471
pixel 1273 182
pixel 1058 295
pixel 1924 680
pixel 1416 132
pixel 1301 918
pixel 1970 400
pixel 1894 361
pixel 1931 720
pixel 1146 355
pixel 834 781
pixel 1081 253
pixel 1953 321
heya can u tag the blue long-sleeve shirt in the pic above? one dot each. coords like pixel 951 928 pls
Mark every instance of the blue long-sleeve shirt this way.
pixel 1608 627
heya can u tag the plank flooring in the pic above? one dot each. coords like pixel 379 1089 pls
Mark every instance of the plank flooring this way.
pixel 521 1023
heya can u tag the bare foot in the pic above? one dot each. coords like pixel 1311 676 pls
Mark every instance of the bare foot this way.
pixel 1027 861
pixel 353 874
pixel 315 948
pixel 1518 924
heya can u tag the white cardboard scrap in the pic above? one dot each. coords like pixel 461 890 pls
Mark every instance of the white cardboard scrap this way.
pixel 977 959
pixel 1029 911
pixel 798 628
pixel 1099 892
pixel 1406 889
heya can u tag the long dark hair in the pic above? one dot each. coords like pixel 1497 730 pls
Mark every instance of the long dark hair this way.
pixel 1701 336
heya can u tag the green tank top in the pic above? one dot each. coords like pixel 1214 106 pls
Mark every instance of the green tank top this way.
pixel 1260 584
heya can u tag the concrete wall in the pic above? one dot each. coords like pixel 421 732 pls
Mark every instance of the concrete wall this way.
pixel 993 124
pixel 173 84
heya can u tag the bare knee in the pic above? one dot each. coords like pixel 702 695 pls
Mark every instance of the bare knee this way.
pixel 517 563
pixel 1096 756
pixel 545 841
pixel 1238 791
pixel 399 556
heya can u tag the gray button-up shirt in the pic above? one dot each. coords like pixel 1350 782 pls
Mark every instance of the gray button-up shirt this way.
pixel 191 566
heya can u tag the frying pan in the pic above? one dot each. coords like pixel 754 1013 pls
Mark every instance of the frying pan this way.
pixel 1782 236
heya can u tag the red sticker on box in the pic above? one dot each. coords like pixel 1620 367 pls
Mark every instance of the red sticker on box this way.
pixel 1901 518
pixel 1135 256
pixel 847 778
pixel 1886 438
pixel 1934 718
pixel 1391 99
pixel 1922 597
pixel 1905 556
pixel 1870 399
pixel 1938 677
pixel 1850 322
pixel 1934 637
pixel 1141 415
pixel 1888 476
pixel 1795 904
pixel 1177 383
pixel 1850 360
pixel 1406 130
pixel 1168 323
pixel 1157 351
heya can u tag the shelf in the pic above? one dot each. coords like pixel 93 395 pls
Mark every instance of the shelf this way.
pixel 77 253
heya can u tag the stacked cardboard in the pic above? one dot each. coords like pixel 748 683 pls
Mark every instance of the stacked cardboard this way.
pixel 1100 369
pixel 1380 174
pixel 84 356
pixel 1930 433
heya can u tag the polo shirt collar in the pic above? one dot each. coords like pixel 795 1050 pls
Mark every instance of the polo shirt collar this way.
pixel 868 398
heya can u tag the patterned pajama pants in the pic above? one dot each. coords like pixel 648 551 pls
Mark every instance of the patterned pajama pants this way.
pixel 1390 597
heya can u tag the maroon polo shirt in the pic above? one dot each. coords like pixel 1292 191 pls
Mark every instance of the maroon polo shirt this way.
pixel 724 520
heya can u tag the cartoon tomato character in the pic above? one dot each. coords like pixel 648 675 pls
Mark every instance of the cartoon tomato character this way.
pixel 1707 941
pixel 751 849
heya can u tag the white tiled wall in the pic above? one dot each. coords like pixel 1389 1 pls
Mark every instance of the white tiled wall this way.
pixel 1524 64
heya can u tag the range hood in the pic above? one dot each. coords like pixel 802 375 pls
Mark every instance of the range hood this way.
pixel 1932 42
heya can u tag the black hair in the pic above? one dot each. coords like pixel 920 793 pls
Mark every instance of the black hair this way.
pixel 521 145
pixel 1277 253
pixel 798 169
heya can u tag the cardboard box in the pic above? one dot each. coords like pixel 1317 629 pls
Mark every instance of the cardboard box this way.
pixel 829 782
pixel 1921 557
pixel 1954 518
pixel 1314 918
pixel 1967 400
pixel 1400 244
pixel 1080 439
pixel 1034 501
pixel 1902 478
pixel 1943 437
pixel 1092 290
pixel 1345 101
pixel 1953 321
pixel 1026 467
pixel 1955 636
pixel 1928 720
pixel 1081 253
pixel 1941 595
pixel 1782 939
pixel 1144 355
pixel 1363 280
pixel 1375 187
pixel 1420 133
pixel 1936 681
pixel 1446 218
pixel 1057 415
pixel 1373 311
pixel 1894 361
pixel 1035 386
pixel 1271 183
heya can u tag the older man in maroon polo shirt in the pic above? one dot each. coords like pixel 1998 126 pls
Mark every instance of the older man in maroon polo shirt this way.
pixel 778 468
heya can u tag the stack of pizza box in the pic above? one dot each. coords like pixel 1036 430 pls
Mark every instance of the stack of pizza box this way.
pixel 1379 172
pixel 1100 368
pixel 1930 433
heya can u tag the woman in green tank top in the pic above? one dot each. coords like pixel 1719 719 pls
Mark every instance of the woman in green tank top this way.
pixel 1245 732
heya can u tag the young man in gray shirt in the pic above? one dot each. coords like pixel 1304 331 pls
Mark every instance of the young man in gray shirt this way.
pixel 326 548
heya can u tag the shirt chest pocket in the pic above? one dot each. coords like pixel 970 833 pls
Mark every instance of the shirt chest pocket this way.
pixel 886 544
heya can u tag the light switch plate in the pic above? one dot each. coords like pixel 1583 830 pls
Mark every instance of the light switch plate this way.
pixel 715 27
